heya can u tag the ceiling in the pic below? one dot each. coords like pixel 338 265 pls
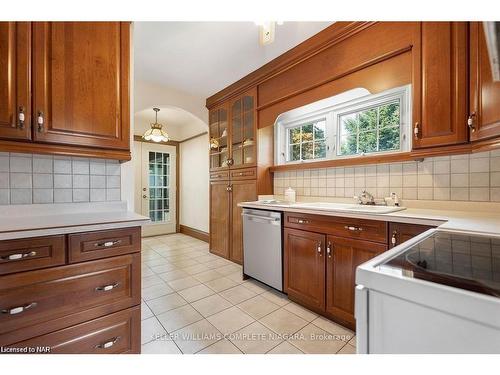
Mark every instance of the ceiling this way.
pixel 201 58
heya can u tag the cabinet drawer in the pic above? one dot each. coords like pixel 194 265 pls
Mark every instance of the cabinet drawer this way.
pixel 371 230
pixel 244 174
pixel 113 334
pixel 103 244
pixel 31 253
pixel 37 302
pixel 219 176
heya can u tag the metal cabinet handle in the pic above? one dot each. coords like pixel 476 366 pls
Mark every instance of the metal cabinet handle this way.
pixel 107 243
pixel 21 118
pixel 353 228
pixel 303 221
pixel 319 248
pixel 18 256
pixel 40 121
pixel 416 130
pixel 393 238
pixel 229 188
pixel 329 249
pixel 470 122
pixel 108 344
pixel 19 309
pixel 106 288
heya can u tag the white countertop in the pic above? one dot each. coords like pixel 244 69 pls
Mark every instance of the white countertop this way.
pixel 481 222
pixel 22 221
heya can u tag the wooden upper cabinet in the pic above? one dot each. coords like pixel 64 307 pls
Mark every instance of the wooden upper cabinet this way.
pixel 484 99
pixel 81 83
pixel 440 103
pixel 304 267
pixel 15 93
pixel 243 130
pixel 343 256
pixel 219 138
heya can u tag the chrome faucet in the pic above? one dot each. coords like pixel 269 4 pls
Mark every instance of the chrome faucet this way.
pixel 366 198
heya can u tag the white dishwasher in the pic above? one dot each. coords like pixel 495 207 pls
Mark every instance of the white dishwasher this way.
pixel 262 249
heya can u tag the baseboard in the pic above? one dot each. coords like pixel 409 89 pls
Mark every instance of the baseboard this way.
pixel 196 233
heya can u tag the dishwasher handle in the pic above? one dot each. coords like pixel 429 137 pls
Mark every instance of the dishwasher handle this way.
pixel 272 219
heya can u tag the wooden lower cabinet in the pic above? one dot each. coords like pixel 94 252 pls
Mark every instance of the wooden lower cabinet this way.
pixel 343 256
pixel 401 232
pixel 304 264
pixel 241 191
pixel 219 218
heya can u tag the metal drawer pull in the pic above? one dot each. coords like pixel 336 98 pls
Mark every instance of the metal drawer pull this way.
pixel 393 238
pixel 19 309
pixel 353 228
pixel 303 221
pixel 106 288
pixel 21 117
pixel 329 249
pixel 40 121
pixel 107 243
pixel 319 248
pixel 108 344
pixel 18 256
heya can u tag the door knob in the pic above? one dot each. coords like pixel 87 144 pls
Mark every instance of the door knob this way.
pixel 144 196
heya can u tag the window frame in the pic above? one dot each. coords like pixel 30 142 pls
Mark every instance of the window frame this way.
pixel 299 124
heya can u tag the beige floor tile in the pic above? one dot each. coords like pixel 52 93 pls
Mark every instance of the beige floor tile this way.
pixel 227 269
pixel 156 291
pixel 353 341
pixel 237 294
pixel 146 271
pixel 237 277
pixel 185 263
pixel 211 305
pixel 230 320
pixel 333 328
pixel 163 268
pixel 221 347
pixel 313 340
pixel 184 283
pixel 217 263
pixel 283 322
pixel 255 286
pixel 150 257
pixel 257 307
pixel 173 275
pixel 196 336
pixel 151 329
pixel 207 276
pixel 278 298
pixel 301 311
pixel 218 285
pixel 255 339
pixel 206 258
pixel 195 269
pixel 196 292
pixel 158 261
pixel 180 317
pixel 166 303
pixel 285 348
pixel 150 281
pixel 347 349
pixel 160 347
pixel 145 311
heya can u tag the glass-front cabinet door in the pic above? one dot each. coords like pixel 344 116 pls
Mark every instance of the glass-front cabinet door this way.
pixel 243 131
pixel 219 135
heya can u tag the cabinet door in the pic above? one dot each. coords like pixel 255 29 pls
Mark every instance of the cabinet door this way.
pixel 15 94
pixel 343 256
pixel 219 218
pixel 219 135
pixel 243 130
pixel 440 110
pixel 484 92
pixel 304 267
pixel 400 232
pixel 242 191
pixel 81 83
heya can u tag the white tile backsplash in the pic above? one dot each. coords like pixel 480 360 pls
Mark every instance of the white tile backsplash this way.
pixel 469 177
pixel 27 179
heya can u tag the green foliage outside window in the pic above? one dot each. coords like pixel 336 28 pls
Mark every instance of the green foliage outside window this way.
pixel 307 141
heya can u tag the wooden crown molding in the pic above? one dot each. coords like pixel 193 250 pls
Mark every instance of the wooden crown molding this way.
pixel 305 50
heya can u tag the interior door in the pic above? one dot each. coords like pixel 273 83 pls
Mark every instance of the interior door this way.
pixel 81 83
pixel 15 73
pixel 304 266
pixel 158 189
pixel 241 191
pixel 343 256
pixel 219 218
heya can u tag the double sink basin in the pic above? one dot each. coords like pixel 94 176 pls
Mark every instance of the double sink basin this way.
pixel 339 207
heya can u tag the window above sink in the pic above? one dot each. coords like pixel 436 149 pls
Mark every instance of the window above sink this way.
pixel 349 125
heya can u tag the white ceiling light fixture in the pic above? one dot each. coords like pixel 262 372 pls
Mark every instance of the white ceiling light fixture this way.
pixel 155 133
pixel 267 31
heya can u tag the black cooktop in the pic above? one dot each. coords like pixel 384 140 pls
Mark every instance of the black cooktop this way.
pixel 462 261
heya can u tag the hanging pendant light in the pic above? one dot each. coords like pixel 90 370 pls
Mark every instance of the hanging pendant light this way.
pixel 155 133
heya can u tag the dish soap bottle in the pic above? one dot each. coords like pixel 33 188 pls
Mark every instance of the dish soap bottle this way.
pixel 290 195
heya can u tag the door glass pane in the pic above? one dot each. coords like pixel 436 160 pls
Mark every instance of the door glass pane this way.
pixel 159 180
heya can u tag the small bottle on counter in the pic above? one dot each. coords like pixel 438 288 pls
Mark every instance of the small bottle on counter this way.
pixel 290 195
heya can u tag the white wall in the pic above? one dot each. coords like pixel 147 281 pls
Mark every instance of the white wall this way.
pixel 194 194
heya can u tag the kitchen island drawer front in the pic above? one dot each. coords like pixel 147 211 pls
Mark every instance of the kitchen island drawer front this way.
pixel 31 254
pixel 42 297
pixel 244 174
pixel 371 230
pixel 103 244
pixel 118 333
pixel 219 176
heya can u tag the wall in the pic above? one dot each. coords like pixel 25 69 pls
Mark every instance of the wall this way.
pixel 32 178
pixel 194 193
pixel 474 177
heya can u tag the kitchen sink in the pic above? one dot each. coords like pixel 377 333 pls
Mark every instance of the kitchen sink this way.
pixel 346 207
